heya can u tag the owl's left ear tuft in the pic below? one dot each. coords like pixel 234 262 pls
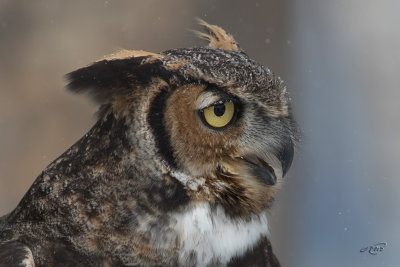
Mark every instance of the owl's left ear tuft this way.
pixel 217 37
pixel 117 75
pixel 125 54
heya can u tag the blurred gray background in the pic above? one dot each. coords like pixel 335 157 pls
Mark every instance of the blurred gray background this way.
pixel 340 60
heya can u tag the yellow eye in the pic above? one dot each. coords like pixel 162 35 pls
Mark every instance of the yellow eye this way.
pixel 220 114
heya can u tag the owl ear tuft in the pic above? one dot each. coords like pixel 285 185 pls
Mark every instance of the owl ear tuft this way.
pixel 124 54
pixel 217 37
pixel 116 75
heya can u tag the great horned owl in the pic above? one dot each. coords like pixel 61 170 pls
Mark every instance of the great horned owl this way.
pixel 180 169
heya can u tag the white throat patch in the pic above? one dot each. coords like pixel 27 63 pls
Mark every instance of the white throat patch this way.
pixel 210 235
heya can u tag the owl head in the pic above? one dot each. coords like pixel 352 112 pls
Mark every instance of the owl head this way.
pixel 210 118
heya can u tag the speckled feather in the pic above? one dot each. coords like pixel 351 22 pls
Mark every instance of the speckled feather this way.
pixel 150 184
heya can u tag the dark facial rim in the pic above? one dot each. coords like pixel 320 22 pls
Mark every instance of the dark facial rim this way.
pixel 156 121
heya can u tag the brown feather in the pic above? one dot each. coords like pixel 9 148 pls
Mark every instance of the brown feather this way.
pixel 217 37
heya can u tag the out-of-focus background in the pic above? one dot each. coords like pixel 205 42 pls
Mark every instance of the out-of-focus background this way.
pixel 341 63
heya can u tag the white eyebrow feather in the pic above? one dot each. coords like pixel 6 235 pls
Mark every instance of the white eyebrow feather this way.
pixel 207 99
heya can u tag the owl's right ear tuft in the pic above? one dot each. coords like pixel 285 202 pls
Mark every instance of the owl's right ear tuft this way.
pixel 217 37
pixel 116 75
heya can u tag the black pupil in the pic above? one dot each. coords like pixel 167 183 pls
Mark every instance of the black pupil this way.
pixel 219 109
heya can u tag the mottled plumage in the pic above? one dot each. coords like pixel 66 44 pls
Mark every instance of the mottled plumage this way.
pixel 154 183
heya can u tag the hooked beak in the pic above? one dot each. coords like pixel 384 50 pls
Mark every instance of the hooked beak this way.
pixel 268 168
